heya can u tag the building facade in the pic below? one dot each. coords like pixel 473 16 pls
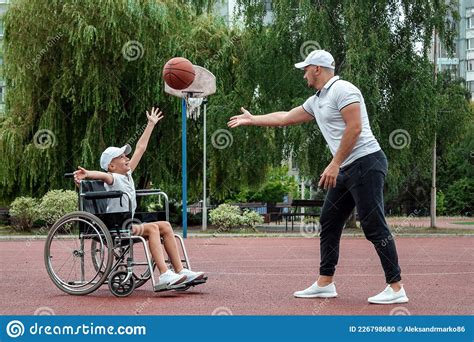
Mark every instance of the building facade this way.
pixel 461 64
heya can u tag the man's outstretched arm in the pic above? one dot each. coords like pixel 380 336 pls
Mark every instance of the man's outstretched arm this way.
pixel 277 119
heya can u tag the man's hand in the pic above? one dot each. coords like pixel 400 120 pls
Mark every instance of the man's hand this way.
pixel 245 119
pixel 329 176
pixel 155 115
pixel 80 174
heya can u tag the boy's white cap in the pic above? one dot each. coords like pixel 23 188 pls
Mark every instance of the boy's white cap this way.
pixel 318 57
pixel 111 153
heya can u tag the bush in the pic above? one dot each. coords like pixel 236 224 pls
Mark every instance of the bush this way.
pixel 195 219
pixel 277 185
pixel 251 218
pixel 56 203
pixel 460 197
pixel 228 216
pixel 24 211
pixel 440 203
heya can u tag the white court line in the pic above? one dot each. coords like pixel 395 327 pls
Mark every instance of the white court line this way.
pixel 293 261
pixel 339 275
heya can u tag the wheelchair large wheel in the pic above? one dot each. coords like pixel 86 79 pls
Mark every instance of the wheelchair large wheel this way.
pixel 67 252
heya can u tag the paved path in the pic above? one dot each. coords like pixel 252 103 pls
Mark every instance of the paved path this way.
pixel 257 276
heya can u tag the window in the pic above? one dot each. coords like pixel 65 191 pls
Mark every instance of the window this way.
pixel 470 86
pixel 470 22
pixel 470 65
pixel 268 5
pixel 470 44
pixel 2 94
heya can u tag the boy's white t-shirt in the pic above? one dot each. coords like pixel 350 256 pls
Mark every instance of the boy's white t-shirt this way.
pixel 122 183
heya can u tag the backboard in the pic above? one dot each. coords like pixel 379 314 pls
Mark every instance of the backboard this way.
pixel 204 85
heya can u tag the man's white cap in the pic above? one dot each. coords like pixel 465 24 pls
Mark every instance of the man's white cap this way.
pixel 111 153
pixel 318 57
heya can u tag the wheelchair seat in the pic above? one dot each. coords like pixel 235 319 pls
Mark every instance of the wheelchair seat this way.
pixel 116 222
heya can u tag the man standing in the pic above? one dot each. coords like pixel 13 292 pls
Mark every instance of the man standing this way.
pixel 355 176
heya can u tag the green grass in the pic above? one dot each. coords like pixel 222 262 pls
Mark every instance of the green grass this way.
pixel 468 223
pixel 10 230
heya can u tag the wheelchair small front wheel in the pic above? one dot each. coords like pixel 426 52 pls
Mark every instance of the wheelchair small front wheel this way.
pixel 118 286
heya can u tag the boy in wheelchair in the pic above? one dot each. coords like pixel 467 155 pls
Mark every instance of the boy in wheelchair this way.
pixel 118 176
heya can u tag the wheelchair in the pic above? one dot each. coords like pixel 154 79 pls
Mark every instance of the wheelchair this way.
pixel 88 248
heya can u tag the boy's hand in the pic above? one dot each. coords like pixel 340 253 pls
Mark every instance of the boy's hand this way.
pixel 155 115
pixel 80 174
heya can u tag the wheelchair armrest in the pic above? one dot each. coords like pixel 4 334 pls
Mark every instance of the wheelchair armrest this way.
pixel 145 192
pixel 102 194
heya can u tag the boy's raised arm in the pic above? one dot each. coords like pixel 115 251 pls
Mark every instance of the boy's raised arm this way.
pixel 82 173
pixel 153 118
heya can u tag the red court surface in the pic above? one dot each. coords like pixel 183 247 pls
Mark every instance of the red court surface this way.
pixel 257 276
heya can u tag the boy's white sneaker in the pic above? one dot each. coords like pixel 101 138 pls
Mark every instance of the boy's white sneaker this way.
pixel 190 275
pixel 169 280
pixel 389 296
pixel 314 291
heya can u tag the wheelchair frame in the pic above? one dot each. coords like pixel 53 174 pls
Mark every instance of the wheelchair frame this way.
pixel 118 243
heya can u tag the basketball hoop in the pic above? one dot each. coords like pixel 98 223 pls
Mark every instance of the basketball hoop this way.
pixel 204 85
pixel 193 97
pixel 193 110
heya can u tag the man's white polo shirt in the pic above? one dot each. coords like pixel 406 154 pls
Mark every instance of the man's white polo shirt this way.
pixel 326 106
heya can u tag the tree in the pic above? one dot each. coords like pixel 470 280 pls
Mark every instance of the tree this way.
pixel 380 46
pixel 81 78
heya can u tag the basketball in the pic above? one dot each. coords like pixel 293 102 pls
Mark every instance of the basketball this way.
pixel 178 73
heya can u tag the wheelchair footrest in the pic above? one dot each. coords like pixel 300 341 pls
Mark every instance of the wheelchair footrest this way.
pixel 197 282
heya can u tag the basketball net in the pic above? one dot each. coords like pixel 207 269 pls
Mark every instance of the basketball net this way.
pixel 193 107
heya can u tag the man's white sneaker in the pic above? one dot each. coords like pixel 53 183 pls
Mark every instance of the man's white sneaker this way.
pixel 389 296
pixel 314 291
pixel 169 280
pixel 190 275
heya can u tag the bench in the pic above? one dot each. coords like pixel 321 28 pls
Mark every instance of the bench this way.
pixel 296 205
